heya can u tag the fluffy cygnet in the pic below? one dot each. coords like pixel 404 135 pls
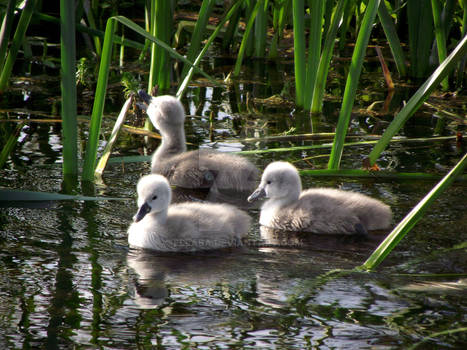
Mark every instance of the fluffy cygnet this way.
pixel 318 210
pixel 182 227
pixel 195 169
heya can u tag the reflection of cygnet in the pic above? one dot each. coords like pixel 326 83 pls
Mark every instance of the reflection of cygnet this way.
pixel 318 210
pixel 195 169
pixel 150 288
pixel 183 227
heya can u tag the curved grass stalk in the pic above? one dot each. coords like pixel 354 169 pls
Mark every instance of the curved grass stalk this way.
pixel 418 98
pixel 5 30
pixel 393 39
pixel 10 145
pixel 246 34
pixel 326 56
pixel 17 41
pixel 314 50
pixel 420 20
pixel 94 32
pixel 412 218
pixel 440 34
pixel 433 335
pixel 98 106
pixel 233 10
pixel 352 83
pixel 198 32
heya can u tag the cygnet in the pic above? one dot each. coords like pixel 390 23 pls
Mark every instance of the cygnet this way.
pixel 318 210
pixel 182 227
pixel 206 169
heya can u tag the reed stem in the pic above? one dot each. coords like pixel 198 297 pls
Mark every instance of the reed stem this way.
pixel 68 87
pixel 17 41
pixel 352 83
pixel 412 218
pixel 99 100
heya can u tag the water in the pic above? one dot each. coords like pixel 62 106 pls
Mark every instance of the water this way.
pixel 69 280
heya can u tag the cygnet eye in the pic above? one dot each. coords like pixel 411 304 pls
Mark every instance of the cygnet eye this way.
pixel 268 182
pixel 154 198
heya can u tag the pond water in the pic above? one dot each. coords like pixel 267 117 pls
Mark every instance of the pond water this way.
pixel 69 280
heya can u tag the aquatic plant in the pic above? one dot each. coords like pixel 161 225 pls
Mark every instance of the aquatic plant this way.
pixel 409 221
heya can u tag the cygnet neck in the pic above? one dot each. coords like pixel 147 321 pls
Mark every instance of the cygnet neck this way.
pixel 173 141
pixel 160 217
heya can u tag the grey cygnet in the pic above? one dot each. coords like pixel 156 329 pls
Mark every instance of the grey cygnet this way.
pixel 197 169
pixel 318 210
pixel 183 227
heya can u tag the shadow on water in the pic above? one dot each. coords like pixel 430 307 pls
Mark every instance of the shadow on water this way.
pixel 68 278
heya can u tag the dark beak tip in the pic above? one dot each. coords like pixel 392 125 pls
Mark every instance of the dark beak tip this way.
pixel 257 194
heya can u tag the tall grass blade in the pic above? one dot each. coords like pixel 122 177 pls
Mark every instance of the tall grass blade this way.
pixel 393 39
pixel 232 12
pixel 8 147
pixel 94 32
pixel 412 218
pixel 198 32
pixel 279 20
pixel 98 106
pixel 352 83
pixel 419 97
pixel 298 8
pixel 92 25
pixel 261 25
pixel 314 50
pixel 113 137
pixel 440 34
pixel 5 30
pixel 229 35
pixel 246 35
pixel 420 20
pixel 161 28
pixel 17 41
pixel 68 87
pixel 133 26
pixel 326 56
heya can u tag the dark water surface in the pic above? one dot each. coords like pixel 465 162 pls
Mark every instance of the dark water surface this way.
pixel 69 280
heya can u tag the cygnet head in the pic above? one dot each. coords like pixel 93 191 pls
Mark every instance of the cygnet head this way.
pixel 164 111
pixel 280 181
pixel 154 195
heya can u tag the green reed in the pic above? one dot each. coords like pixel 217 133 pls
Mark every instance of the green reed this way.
pixel 412 218
pixel 198 33
pixel 352 83
pixel 5 30
pixel 99 99
pixel 418 98
pixel 326 56
pixel 68 88
pixel 17 41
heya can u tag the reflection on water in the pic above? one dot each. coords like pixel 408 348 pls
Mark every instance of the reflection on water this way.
pixel 68 279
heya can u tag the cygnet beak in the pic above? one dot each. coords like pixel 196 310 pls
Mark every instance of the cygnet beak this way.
pixel 143 106
pixel 141 213
pixel 258 194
